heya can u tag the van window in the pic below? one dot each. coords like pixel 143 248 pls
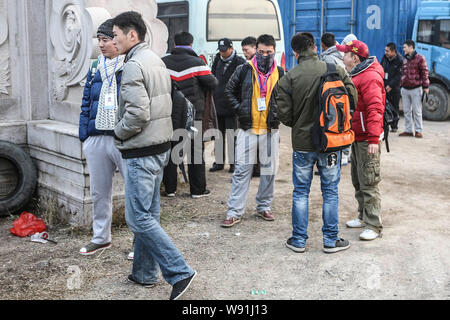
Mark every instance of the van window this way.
pixel 238 19
pixel 175 15
pixel 434 32
pixel 444 34
pixel 426 31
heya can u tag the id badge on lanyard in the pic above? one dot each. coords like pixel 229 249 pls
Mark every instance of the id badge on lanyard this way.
pixel 262 106
pixel 110 101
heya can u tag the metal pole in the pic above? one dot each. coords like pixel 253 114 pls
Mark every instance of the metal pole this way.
pixel 321 19
pixel 353 16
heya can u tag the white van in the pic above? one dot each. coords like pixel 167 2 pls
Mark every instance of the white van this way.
pixel 210 20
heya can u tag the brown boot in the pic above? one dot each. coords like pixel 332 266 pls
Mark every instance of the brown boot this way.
pixel 266 215
pixel 419 135
pixel 406 134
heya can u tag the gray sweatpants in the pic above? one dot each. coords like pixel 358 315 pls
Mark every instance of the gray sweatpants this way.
pixel 245 159
pixel 103 159
pixel 412 108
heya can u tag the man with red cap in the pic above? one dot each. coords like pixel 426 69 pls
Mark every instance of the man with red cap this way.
pixel 367 75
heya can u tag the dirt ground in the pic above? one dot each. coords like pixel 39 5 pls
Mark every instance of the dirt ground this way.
pixel 250 261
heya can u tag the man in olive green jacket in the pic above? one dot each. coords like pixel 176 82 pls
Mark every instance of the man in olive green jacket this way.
pixel 297 107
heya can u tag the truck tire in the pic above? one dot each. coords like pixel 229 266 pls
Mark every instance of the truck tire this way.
pixel 437 108
pixel 18 178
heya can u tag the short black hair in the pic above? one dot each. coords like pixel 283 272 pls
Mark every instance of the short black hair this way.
pixel 183 39
pixel 392 46
pixel 249 41
pixel 131 20
pixel 328 40
pixel 266 39
pixel 361 59
pixel 302 42
pixel 410 43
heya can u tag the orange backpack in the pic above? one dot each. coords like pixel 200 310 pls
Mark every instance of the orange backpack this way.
pixel 333 128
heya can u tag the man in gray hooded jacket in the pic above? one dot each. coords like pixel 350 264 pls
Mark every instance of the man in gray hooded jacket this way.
pixel 331 55
pixel 329 52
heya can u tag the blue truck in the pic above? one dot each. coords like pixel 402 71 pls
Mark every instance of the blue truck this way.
pixel 432 36
pixel 378 22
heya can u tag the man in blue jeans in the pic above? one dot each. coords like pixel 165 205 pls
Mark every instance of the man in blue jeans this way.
pixel 143 135
pixel 297 102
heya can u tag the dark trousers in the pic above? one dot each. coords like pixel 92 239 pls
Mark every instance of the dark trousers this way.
pixel 394 98
pixel 170 178
pixel 196 171
pixel 228 145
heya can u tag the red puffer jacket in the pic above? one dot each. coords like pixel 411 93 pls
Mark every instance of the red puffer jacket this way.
pixel 368 116
pixel 415 72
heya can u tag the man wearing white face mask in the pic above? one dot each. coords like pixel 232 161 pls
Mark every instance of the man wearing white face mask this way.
pixel 251 94
pixel 97 122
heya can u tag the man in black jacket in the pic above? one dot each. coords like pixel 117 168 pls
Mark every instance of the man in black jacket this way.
pixel 194 79
pixel 224 65
pixel 251 93
pixel 392 63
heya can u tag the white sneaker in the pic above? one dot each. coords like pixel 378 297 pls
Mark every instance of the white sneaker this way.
pixel 130 256
pixel 368 235
pixel 355 224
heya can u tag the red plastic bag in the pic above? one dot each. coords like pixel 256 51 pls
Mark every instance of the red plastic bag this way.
pixel 27 225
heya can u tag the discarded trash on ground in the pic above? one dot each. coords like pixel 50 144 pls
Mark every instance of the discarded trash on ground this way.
pixel 42 237
pixel 27 224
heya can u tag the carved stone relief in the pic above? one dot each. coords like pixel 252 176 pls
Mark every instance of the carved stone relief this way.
pixel 71 37
pixel 4 56
pixel 4 75
pixel 157 31
pixel 73 25
pixel 3 29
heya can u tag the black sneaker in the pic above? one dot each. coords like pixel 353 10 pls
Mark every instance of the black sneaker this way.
pixel 181 286
pixel 231 168
pixel 204 194
pixel 216 167
pixel 294 248
pixel 341 245
pixel 170 194
pixel 92 248
pixel 131 279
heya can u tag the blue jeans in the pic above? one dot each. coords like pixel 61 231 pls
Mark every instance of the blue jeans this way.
pixel 329 165
pixel 153 247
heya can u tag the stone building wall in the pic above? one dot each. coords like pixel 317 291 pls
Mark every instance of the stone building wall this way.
pixel 46 49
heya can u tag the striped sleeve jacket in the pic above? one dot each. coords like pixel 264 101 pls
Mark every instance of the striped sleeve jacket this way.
pixel 192 75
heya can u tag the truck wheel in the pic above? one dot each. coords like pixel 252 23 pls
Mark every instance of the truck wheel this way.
pixel 17 178
pixel 437 108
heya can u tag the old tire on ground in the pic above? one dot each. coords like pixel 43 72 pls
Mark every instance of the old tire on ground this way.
pixel 437 108
pixel 17 178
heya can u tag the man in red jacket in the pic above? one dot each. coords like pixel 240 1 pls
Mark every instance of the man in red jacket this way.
pixel 414 82
pixel 367 75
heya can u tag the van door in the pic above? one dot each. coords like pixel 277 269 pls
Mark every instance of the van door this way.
pixel 441 53
pixel 175 15
pixel 426 31
pixel 238 19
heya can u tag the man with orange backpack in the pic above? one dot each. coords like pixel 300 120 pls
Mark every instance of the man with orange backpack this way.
pixel 315 128
pixel 368 76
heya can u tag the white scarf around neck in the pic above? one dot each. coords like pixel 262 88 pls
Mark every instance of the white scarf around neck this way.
pixel 106 118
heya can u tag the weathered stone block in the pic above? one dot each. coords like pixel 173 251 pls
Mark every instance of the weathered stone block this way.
pixel 14 132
